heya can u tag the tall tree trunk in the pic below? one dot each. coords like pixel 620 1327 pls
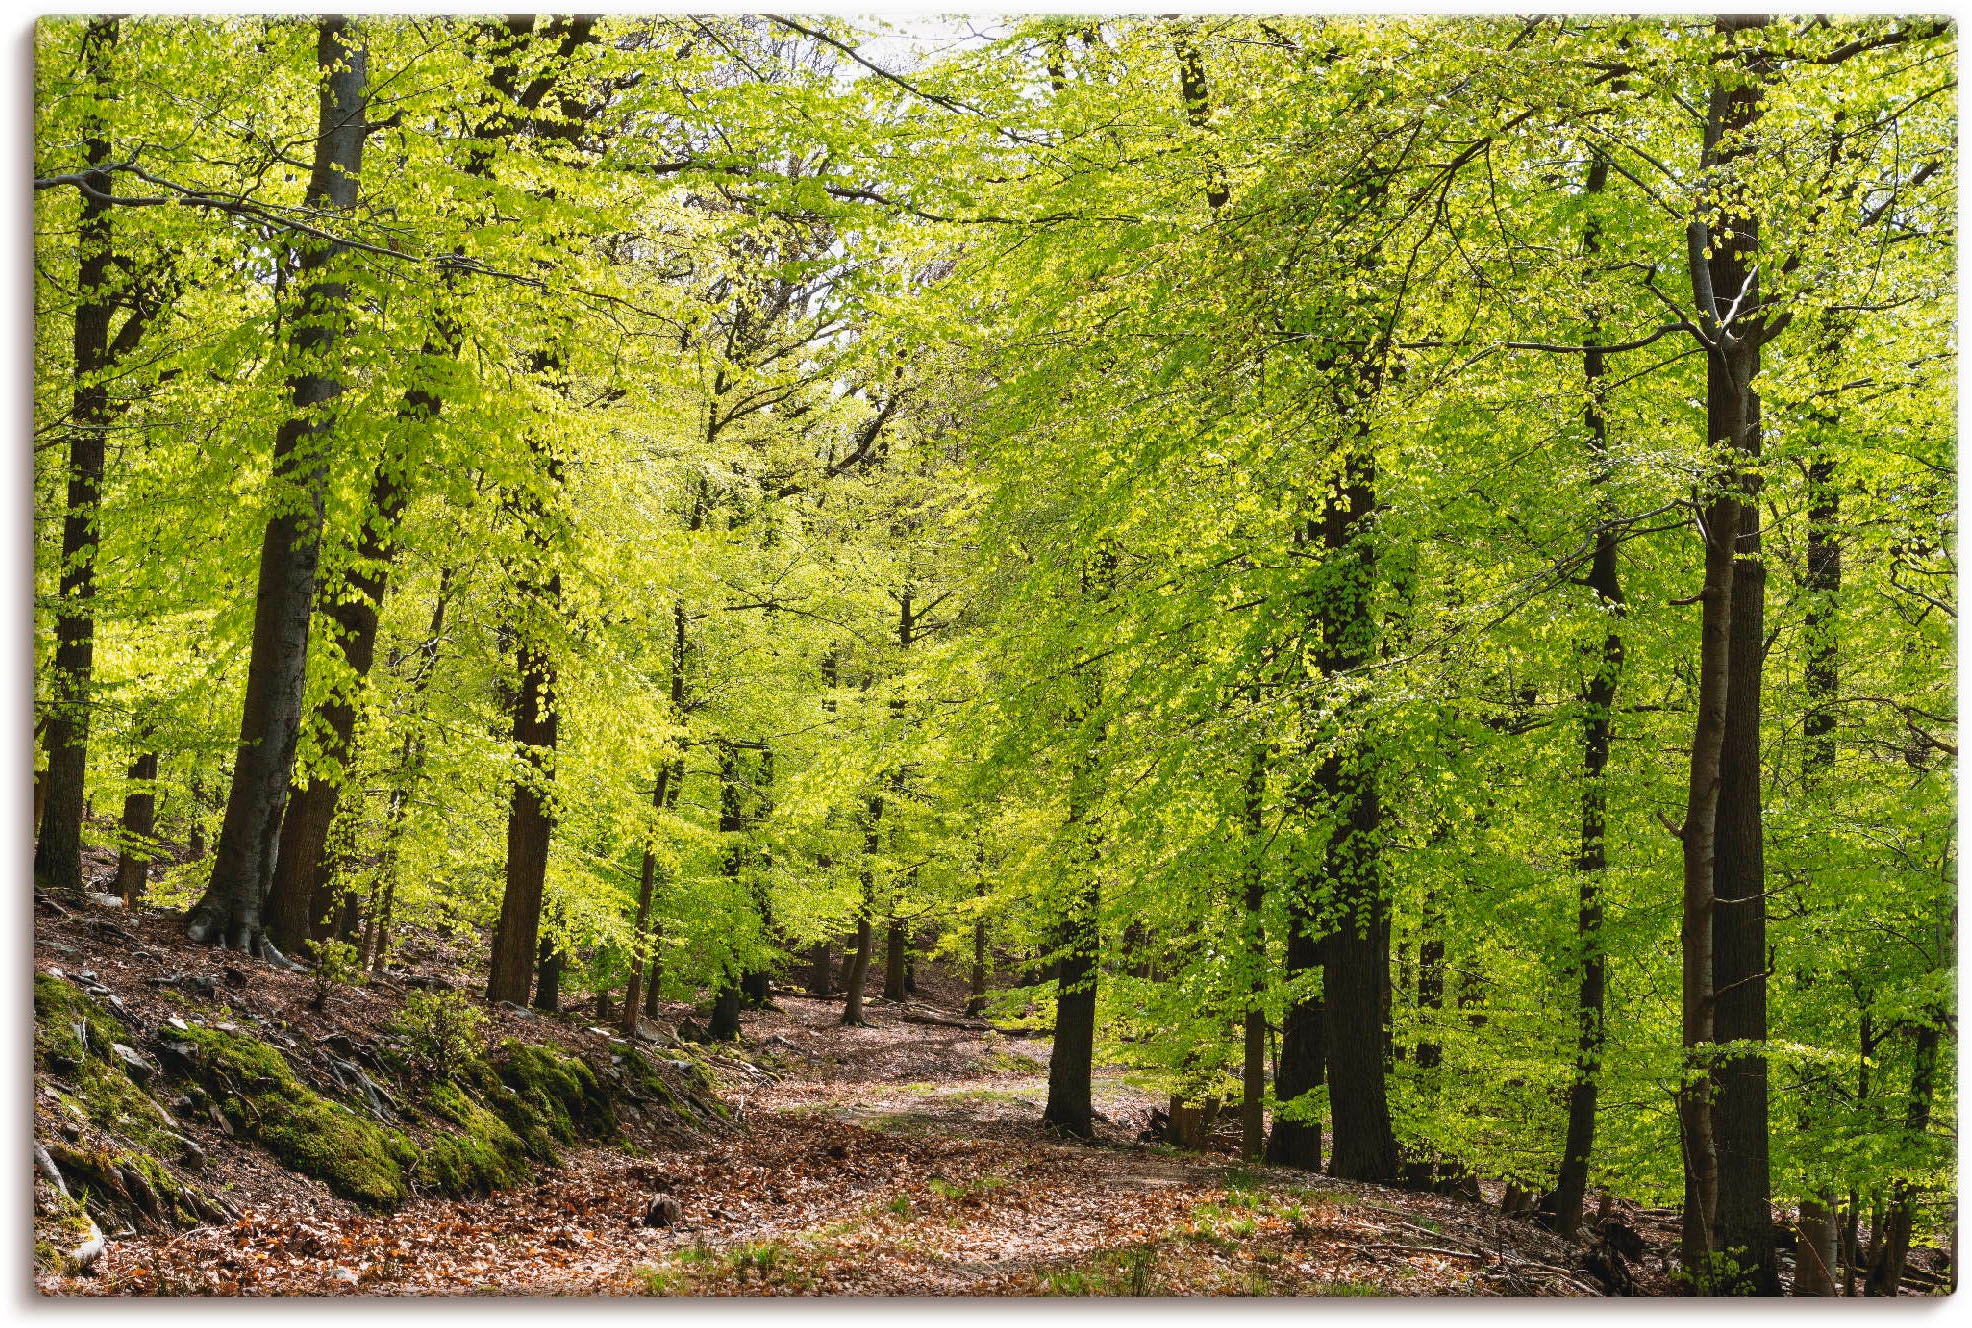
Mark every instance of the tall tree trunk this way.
pixel 896 940
pixel 58 851
pixel 859 965
pixel 1303 1058
pixel 1253 1054
pixel 1744 1227
pixel 1071 1064
pixel 975 1004
pixel 530 822
pixel 1562 1208
pixel 1815 1257
pixel 1355 951
pixel 641 948
pixel 821 969
pixel 133 863
pixel 550 960
pixel 301 898
pixel 290 551
pixel 1890 1250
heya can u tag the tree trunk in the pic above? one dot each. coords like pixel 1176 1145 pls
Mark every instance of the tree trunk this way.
pixel 641 949
pixel 1815 1258
pixel 725 1024
pixel 301 897
pixel 1302 1066
pixel 859 966
pixel 58 850
pixel 1071 1064
pixel 1814 1250
pixel 1355 950
pixel 1890 1251
pixel 821 969
pixel 1562 1208
pixel 139 822
pixel 976 990
pixel 1728 1233
pixel 1253 1055
pixel 530 824
pixel 896 940
pixel 550 960
pixel 290 551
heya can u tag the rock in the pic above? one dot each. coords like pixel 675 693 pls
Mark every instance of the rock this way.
pixel 235 977
pixel 662 1212
pixel 520 1010
pixel 648 1031
pixel 101 900
pixel 139 1069
pixel 346 1276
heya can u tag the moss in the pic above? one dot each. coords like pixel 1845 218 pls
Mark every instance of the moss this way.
pixel 261 1097
pixel 483 1156
pixel 64 1015
pixel 61 1224
pixel 561 1091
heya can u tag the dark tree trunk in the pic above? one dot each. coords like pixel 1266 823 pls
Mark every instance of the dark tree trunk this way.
pixel 642 949
pixel 1561 1209
pixel 1890 1250
pixel 1815 1258
pixel 896 940
pixel 1071 1064
pixel 725 1023
pixel 290 551
pixel 1355 950
pixel 821 969
pixel 530 824
pixel 60 793
pixel 133 864
pixel 1253 1054
pixel 1727 1214
pixel 1302 1066
pixel 300 901
pixel 859 965
pixel 976 992
pixel 549 961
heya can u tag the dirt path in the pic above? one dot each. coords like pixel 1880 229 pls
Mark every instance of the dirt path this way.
pixel 902 1159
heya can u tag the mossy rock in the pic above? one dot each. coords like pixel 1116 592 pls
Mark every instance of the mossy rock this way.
pixel 73 1035
pixel 559 1091
pixel 483 1156
pixel 260 1096
pixel 128 1187
pixel 61 1224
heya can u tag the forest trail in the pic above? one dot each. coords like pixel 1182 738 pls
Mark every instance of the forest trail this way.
pixel 902 1158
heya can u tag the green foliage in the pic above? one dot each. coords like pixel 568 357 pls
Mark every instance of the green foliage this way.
pixel 337 964
pixel 443 1032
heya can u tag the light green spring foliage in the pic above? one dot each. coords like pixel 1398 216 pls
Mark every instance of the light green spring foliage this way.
pixel 976 341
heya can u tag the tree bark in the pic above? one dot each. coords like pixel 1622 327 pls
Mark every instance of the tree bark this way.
pixel 290 552
pixel 1302 1066
pixel 1253 1054
pixel 60 792
pixel 133 863
pixel 1562 1207
pixel 1355 949
pixel 530 822
pixel 895 941
pixel 641 948
pixel 1071 1064
pixel 1742 1230
pixel 859 965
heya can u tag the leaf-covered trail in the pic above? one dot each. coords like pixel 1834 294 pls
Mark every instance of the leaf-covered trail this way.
pixel 902 1158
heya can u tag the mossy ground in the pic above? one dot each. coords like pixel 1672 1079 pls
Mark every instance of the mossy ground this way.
pixel 258 1092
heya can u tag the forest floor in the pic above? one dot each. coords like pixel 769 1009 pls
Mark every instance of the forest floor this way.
pixel 903 1158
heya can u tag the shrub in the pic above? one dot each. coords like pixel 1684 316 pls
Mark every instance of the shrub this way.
pixel 442 1031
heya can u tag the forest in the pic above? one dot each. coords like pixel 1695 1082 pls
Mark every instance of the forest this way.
pixel 1379 593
